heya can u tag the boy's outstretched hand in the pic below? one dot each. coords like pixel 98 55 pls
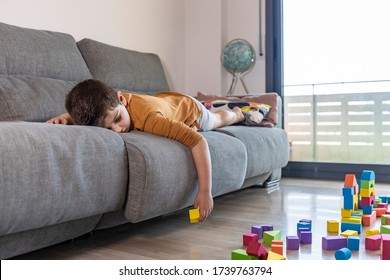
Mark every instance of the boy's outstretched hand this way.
pixel 204 201
pixel 64 118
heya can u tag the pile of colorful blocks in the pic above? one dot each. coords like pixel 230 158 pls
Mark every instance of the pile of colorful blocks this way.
pixel 361 207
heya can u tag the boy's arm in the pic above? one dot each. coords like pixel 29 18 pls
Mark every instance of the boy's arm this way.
pixel 64 118
pixel 204 200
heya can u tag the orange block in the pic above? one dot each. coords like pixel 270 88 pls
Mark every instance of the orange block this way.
pixel 369 219
pixel 379 211
pixel 351 182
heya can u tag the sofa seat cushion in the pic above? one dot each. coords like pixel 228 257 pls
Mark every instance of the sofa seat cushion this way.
pixel 51 174
pixel 163 177
pixel 267 148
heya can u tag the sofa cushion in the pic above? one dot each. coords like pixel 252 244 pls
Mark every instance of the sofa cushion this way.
pixel 267 148
pixel 40 53
pixel 124 69
pixel 37 69
pixel 52 174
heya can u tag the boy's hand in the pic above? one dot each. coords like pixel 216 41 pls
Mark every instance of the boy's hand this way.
pixel 64 119
pixel 204 201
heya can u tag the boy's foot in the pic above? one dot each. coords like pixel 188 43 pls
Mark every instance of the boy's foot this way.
pixel 240 115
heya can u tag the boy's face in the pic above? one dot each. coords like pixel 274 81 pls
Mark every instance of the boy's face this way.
pixel 117 120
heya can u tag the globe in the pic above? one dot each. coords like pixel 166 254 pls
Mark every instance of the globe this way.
pixel 238 56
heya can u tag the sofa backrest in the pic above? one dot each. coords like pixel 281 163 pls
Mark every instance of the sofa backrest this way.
pixel 37 69
pixel 124 69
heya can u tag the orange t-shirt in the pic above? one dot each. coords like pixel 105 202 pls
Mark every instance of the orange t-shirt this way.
pixel 168 114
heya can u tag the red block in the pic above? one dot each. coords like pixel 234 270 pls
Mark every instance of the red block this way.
pixel 380 211
pixel 248 237
pixel 255 248
pixel 367 201
pixel 385 251
pixel 373 242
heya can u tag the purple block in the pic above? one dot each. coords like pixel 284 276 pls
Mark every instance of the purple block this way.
pixel 292 242
pixel 334 242
pixel 258 230
pixel 306 237
pixel 267 227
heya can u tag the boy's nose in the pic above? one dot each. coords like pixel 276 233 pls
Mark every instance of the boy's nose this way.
pixel 116 128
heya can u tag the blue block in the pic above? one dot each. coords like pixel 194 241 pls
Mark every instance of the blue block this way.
pixel 343 254
pixel 367 175
pixel 351 226
pixel 348 191
pixel 348 202
pixel 353 243
pixel 367 209
pixel 303 225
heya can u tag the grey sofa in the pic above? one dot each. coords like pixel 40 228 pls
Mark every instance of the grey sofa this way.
pixel 59 182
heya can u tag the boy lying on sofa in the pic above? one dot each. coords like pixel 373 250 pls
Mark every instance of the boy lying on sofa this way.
pixel 168 114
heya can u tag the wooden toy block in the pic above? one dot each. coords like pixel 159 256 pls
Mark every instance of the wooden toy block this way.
pixel 380 211
pixel 369 219
pixel 346 213
pixel 367 209
pixel 275 256
pixel 350 182
pixel 385 219
pixel 385 248
pixel 351 226
pixel 255 248
pixel 292 242
pixel 334 242
pixel 365 201
pixel 268 236
pixel 367 192
pixel 373 231
pixel 343 254
pixel 354 220
pixel 194 215
pixel 332 226
pixel 258 230
pixel 373 242
pixel 385 229
pixel 277 249
pixel 366 184
pixel 348 233
pixel 348 202
pixel 305 237
pixel 240 254
pixel 248 237
pixel 367 175
pixel 353 243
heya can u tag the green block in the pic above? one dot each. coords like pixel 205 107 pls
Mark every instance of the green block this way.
pixel 240 254
pixel 385 229
pixel 366 184
pixel 384 219
pixel 268 236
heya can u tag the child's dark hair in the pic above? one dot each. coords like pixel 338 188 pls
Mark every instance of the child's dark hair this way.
pixel 89 101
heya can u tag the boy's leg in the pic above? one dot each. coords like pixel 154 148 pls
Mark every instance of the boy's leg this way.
pixel 227 117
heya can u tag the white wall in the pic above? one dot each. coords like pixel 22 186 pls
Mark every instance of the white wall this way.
pixel 188 35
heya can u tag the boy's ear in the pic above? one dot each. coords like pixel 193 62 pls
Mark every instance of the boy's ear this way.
pixel 121 98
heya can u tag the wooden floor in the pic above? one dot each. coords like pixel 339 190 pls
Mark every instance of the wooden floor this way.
pixel 174 237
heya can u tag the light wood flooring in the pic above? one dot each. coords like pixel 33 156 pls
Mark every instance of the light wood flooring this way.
pixel 174 237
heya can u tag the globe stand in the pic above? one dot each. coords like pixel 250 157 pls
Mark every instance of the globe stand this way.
pixel 235 78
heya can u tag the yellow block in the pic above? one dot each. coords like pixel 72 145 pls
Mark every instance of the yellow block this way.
pixel 353 220
pixel 349 232
pixel 275 256
pixel 367 192
pixel 332 226
pixel 373 231
pixel 194 215
pixel 345 213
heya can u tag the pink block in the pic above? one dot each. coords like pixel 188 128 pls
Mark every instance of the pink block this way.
pixel 248 237
pixel 373 242
pixel 385 252
pixel 255 248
